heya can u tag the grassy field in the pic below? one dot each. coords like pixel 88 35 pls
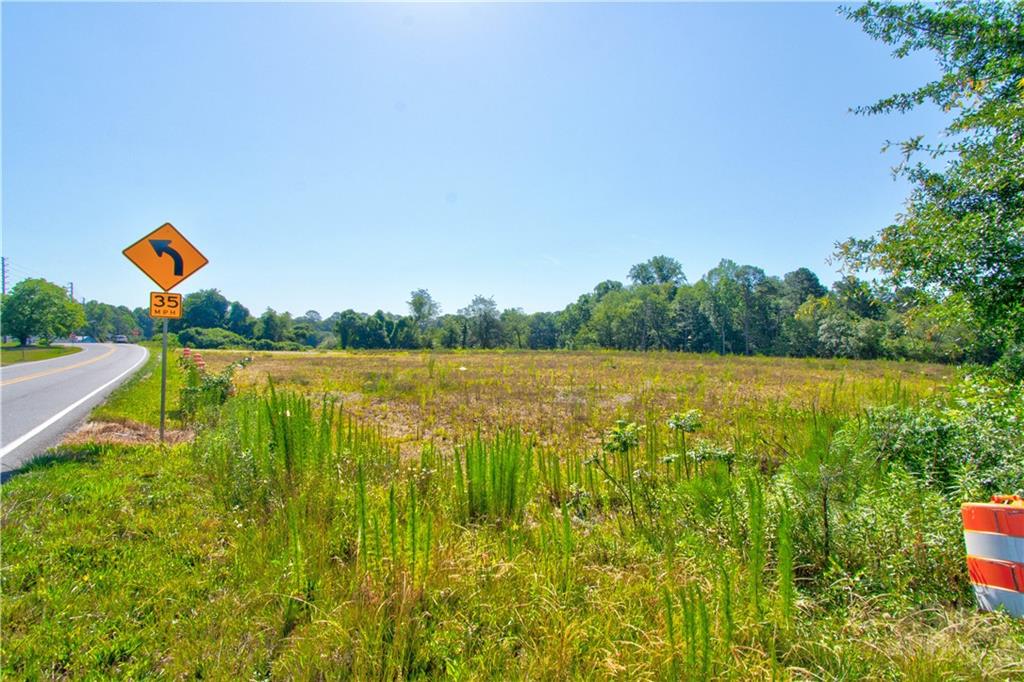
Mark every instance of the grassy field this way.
pixel 13 353
pixel 504 516
pixel 567 400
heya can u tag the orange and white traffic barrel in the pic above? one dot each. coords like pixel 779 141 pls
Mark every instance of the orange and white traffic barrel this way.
pixel 994 535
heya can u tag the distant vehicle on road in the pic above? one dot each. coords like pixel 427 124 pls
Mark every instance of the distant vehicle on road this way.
pixel 120 338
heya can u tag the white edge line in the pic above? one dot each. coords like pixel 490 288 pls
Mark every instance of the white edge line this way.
pixel 7 449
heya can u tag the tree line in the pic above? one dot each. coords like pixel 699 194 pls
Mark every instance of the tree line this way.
pixel 732 309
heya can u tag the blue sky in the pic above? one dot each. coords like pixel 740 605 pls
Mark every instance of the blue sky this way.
pixel 338 156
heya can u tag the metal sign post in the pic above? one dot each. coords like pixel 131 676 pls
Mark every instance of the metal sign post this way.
pixel 182 259
pixel 163 385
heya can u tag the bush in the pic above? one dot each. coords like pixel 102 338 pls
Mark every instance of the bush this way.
pixel 966 443
pixel 212 337
pixel 1011 366
pixel 266 344
pixel 203 390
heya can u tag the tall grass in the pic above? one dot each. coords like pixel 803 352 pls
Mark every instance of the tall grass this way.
pixel 671 552
pixel 493 477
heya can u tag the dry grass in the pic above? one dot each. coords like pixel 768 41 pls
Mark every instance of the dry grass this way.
pixel 568 399
pixel 125 432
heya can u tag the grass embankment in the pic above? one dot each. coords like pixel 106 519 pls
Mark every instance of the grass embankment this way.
pixel 295 540
pixel 138 399
pixel 12 353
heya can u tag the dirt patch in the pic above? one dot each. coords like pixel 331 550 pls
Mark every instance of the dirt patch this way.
pixel 124 433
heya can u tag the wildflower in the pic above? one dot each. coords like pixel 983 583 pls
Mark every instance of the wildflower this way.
pixel 686 422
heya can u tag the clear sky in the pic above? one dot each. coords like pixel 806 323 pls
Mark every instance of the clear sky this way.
pixel 338 156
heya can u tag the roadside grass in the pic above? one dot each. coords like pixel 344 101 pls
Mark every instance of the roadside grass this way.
pixel 297 538
pixel 114 566
pixel 11 354
pixel 138 399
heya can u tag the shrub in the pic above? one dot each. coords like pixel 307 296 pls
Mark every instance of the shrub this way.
pixel 202 389
pixel 211 337
pixel 965 444
pixel 266 344
pixel 1011 366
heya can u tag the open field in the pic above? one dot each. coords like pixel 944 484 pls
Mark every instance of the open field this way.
pixel 568 399
pixel 509 516
pixel 13 353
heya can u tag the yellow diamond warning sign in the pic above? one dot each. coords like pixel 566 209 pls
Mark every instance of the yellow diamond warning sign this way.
pixel 166 256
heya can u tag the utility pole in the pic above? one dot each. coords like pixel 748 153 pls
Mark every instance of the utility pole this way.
pixel 71 290
pixel 3 266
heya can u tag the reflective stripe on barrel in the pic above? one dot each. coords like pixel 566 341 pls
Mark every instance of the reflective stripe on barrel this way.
pixel 993 598
pixel 995 546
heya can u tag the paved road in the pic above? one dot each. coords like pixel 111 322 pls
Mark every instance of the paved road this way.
pixel 41 401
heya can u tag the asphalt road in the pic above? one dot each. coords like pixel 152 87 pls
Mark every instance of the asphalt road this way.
pixel 41 401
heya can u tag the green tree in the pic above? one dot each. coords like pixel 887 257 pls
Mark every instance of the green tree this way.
pixel 962 235
pixel 99 320
pixel 573 320
pixel 543 331
pixel 856 296
pixel 797 287
pixel 423 308
pixel 305 332
pixel 205 308
pixel 720 301
pixel 691 329
pixel 144 322
pixel 312 317
pixel 271 326
pixel 36 307
pixel 347 327
pixel 606 287
pixel 515 325
pixel 484 322
pixel 658 270
pixel 240 320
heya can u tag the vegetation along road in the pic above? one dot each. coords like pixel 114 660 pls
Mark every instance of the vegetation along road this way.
pixel 43 400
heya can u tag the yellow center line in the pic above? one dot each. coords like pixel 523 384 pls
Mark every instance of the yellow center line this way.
pixel 56 370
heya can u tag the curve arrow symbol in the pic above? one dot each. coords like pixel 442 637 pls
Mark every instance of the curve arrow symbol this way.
pixel 162 246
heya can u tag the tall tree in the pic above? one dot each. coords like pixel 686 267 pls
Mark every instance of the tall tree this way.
pixel 797 287
pixel 543 331
pixel 721 300
pixel 205 308
pixel 658 270
pixel 240 320
pixel 962 235
pixel 423 308
pixel 346 328
pixel 144 322
pixel 515 326
pixel 271 326
pixel 36 307
pixel 484 321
